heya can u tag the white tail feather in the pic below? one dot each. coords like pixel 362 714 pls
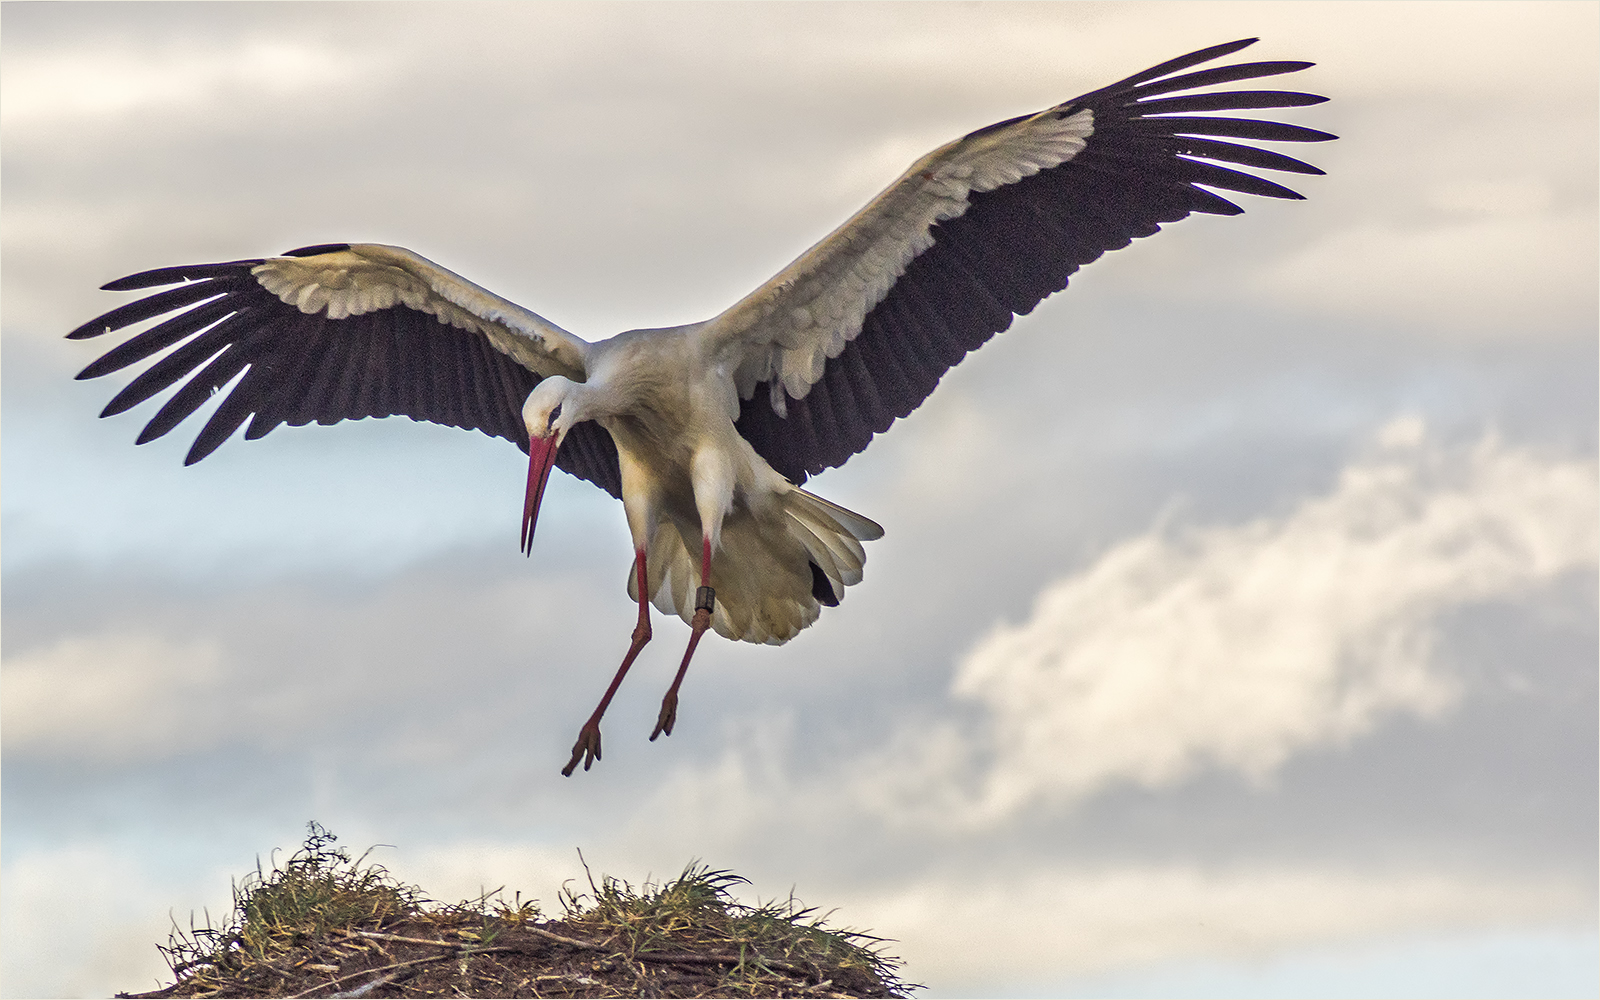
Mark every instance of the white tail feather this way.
pixel 762 568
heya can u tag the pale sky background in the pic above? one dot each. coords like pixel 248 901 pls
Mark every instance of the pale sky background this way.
pixel 1234 633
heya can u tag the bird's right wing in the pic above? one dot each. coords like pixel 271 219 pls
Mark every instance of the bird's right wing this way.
pixel 859 330
pixel 341 332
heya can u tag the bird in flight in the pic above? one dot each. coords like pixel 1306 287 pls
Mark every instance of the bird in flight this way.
pixel 707 432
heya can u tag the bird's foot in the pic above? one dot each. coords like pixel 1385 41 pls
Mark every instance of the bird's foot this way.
pixel 701 622
pixel 669 715
pixel 587 749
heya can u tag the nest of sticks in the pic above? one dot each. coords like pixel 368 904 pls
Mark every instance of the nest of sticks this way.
pixel 324 925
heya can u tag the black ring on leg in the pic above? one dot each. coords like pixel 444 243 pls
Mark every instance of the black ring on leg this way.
pixel 705 599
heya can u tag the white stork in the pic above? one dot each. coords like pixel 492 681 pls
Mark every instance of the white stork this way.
pixel 707 431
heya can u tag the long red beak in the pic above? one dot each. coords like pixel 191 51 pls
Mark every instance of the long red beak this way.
pixel 541 458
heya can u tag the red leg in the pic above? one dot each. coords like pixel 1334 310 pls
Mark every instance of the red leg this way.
pixel 704 604
pixel 588 746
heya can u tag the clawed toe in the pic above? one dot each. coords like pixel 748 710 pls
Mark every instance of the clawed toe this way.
pixel 669 715
pixel 587 749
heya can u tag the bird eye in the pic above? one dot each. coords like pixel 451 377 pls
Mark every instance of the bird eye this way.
pixel 551 423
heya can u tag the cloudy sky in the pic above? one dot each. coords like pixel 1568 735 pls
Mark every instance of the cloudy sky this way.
pixel 1234 630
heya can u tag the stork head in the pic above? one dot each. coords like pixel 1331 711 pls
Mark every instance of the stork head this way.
pixel 551 410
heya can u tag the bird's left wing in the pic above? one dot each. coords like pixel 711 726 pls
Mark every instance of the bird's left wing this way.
pixel 859 330
pixel 340 332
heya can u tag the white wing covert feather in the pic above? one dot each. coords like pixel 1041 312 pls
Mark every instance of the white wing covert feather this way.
pixel 366 277
pixel 785 331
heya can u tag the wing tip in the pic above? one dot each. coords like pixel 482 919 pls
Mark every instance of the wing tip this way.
pixel 317 249
pixel 1187 60
pixel 1222 49
pixel 93 328
pixel 134 282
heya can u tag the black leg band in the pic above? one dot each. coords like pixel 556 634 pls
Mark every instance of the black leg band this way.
pixel 705 599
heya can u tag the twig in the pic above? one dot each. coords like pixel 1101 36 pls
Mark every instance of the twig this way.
pixel 574 942
pixel 365 988
pixel 685 958
pixel 380 936
pixel 401 965
pixel 552 935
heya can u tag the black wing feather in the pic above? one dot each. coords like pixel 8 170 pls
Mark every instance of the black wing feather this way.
pixel 276 405
pixel 1233 100
pixel 289 367
pixel 1222 74
pixel 158 338
pixel 1181 63
pixel 1248 156
pixel 1141 167
pixel 1234 128
pixel 154 305
pixel 180 362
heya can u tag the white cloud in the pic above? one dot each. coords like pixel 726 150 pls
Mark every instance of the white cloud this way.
pixel 78 921
pixel 106 695
pixel 1525 195
pixel 1184 651
pixel 1046 925
pixel 1495 265
pixel 108 81
pixel 1239 646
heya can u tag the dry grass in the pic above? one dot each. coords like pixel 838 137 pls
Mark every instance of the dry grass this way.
pixel 324 925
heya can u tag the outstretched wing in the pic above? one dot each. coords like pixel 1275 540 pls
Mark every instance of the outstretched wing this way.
pixel 340 332
pixel 859 330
